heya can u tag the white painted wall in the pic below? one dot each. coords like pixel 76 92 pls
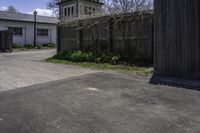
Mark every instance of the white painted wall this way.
pixel 28 32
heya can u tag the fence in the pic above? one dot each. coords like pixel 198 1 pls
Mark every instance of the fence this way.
pixel 132 36
pixel 6 41
pixel 177 38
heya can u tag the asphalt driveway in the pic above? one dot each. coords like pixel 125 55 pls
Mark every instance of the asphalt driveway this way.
pixel 100 103
pixel 88 101
pixel 20 69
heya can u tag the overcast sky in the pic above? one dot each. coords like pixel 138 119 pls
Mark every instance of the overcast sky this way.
pixel 27 6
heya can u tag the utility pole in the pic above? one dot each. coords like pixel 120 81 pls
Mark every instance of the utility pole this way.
pixel 35 15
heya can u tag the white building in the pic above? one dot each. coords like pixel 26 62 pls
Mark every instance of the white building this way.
pixel 22 26
pixel 79 8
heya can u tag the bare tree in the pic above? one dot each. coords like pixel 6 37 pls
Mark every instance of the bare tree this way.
pixel 127 6
pixel 12 9
pixel 113 6
pixel 108 6
pixel 52 4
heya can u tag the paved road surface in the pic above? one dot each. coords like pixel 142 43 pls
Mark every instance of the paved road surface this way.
pixel 88 101
pixel 100 103
pixel 22 69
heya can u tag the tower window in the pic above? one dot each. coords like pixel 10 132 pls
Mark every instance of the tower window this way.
pixel 68 13
pixel 72 9
pixel 65 11
pixel 86 10
pixel 90 12
pixel 93 10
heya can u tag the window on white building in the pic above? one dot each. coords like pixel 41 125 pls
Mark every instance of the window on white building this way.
pixel 42 32
pixel 16 30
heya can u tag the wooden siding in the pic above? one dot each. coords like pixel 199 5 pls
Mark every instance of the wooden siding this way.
pixel 140 35
pixel 6 41
pixel 177 37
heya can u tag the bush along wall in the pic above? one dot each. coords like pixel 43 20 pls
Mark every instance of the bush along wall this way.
pixel 31 46
pixel 97 57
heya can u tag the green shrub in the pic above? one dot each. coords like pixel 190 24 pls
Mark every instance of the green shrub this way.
pixel 17 46
pixel 81 56
pixel 105 57
pixel 45 45
pixel 98 60
pixel 108 57
pixel 62 55
pixel 49 45
pixel 29 46
pixel 115 60
pixel 39 47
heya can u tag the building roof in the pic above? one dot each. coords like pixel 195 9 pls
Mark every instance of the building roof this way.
pixel 93 1
pixel 27 18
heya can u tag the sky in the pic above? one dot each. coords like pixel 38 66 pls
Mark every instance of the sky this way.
pixel 27 6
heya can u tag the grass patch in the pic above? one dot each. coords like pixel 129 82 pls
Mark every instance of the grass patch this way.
pixel 105 66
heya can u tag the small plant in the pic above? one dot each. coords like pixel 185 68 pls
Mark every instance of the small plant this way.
pixel 39 47
pixel 29 46
pixel 48 45
pixel 115 60
pixel 79 56
pixel 17 46
pixel 105 57
pixel 51 45
pixel 98 60
pixel 62 55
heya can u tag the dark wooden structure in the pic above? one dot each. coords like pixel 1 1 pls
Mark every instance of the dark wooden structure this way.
pixel 177 38
pixel 6 41
pixel 137 29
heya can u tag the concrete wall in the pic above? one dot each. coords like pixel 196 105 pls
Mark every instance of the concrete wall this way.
pixel 28 32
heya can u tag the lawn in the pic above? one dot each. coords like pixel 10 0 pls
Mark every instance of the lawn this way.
pixel 133 69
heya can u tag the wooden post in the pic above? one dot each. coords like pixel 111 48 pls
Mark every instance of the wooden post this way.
pixel 6 41
pixel 35 17
pixel 176 38
pixel 58 39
